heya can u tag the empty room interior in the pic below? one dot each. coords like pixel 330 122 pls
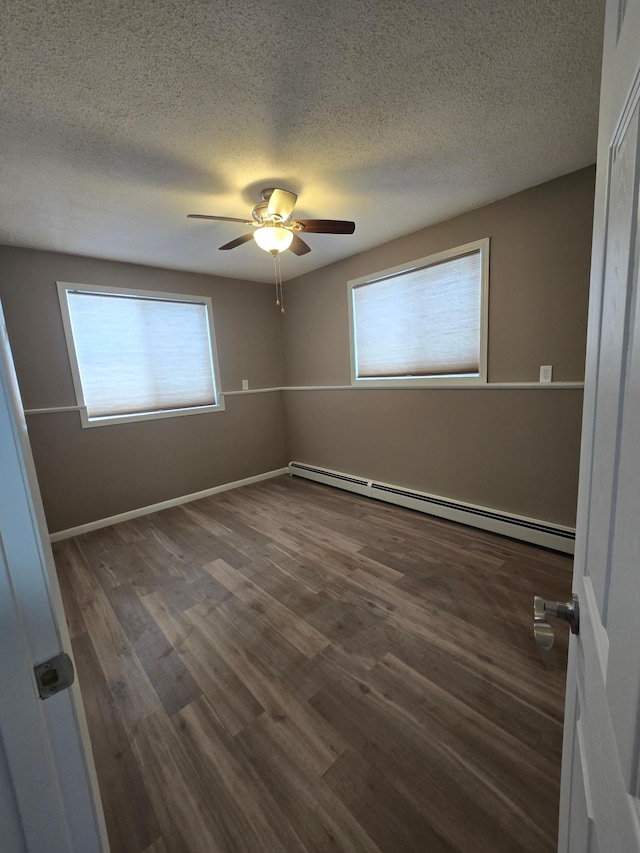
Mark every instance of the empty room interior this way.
pixel 300 497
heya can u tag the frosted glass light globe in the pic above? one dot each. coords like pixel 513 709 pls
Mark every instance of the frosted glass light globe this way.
pixel 273 238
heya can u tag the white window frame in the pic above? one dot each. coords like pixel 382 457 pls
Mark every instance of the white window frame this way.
pixel 426 381
pixel 108 420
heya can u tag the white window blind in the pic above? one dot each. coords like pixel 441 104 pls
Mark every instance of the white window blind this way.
pixel 421 323
pixel 138 355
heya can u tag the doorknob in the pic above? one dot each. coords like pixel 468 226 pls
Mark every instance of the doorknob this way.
pixel 542 630
pixel 54 675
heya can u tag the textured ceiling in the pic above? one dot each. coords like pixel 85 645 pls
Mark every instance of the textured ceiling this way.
pixel 119 118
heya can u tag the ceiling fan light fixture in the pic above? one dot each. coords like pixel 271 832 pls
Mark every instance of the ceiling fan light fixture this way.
pixel 273 238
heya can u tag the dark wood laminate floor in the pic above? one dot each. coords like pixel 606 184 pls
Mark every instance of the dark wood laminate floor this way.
pixel 287 667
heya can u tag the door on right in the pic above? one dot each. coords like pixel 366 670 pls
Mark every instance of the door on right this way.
pixel 600 806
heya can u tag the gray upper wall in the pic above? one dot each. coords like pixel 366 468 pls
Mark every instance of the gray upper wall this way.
pixel 89 474
pixel 246 319
pixel 516 453
pixel 538 286
pixel 510 449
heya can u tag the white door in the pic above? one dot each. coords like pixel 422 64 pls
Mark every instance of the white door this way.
pixel 49 800
pixel 599 805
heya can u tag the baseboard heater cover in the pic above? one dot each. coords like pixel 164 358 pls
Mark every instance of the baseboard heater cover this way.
pixel 332 478
pixel 532 530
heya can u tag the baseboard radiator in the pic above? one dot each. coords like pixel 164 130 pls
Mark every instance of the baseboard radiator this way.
pixel 516 526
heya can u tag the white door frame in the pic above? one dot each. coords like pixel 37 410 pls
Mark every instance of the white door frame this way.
pixel 45 750
pixel 599 811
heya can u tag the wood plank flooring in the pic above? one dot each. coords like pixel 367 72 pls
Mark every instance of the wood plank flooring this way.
pixel 287 668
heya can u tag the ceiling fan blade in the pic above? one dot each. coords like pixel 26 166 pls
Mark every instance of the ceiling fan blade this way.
pixel 327 226
pixel 298 246
pixel 281 203
pixel 238 241
pixel 219 218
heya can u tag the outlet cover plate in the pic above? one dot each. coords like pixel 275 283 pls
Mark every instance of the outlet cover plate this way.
pixel 546 371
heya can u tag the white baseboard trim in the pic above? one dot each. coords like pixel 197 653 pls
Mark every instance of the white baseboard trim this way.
pixel 147 510
pixel 533 530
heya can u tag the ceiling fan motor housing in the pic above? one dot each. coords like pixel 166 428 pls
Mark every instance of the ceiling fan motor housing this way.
pixel 259 212
pixel 275 214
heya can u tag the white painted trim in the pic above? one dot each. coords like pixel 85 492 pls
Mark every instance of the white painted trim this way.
pixel 480 380
pixel 48 753
pixel 347 482
pixel 121 419
pixel 249 391
pixel 65 286
pixel 536 531
pixel 422 382
pixel 197 410
pixel 47 411
pixel 110 420
pixel 147 510
pixel 71 350
pixel 541 386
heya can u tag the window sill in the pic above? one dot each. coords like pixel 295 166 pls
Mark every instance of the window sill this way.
pixel 110 420
pixel 421 382
pixel 443 386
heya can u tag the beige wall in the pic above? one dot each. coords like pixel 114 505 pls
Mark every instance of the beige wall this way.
pixel 88 474
pixel 514 450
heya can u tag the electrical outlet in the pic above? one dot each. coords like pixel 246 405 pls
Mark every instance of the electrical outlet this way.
pixel 545 372
pixel 245 383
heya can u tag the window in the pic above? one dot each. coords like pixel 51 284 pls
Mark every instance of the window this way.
pixel 422 323
pixel 137 355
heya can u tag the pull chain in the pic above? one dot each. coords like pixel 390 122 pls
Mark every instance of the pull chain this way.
pixel 281 292
pixel 278 277
pixel 275 272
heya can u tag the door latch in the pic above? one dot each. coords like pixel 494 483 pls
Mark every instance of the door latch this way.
pixel 542 630
pixel 54 675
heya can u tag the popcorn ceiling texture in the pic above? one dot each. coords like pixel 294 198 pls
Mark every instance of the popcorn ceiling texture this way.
pixel 118 118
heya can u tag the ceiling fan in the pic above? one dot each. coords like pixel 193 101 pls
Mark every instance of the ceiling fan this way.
pixel 275 229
